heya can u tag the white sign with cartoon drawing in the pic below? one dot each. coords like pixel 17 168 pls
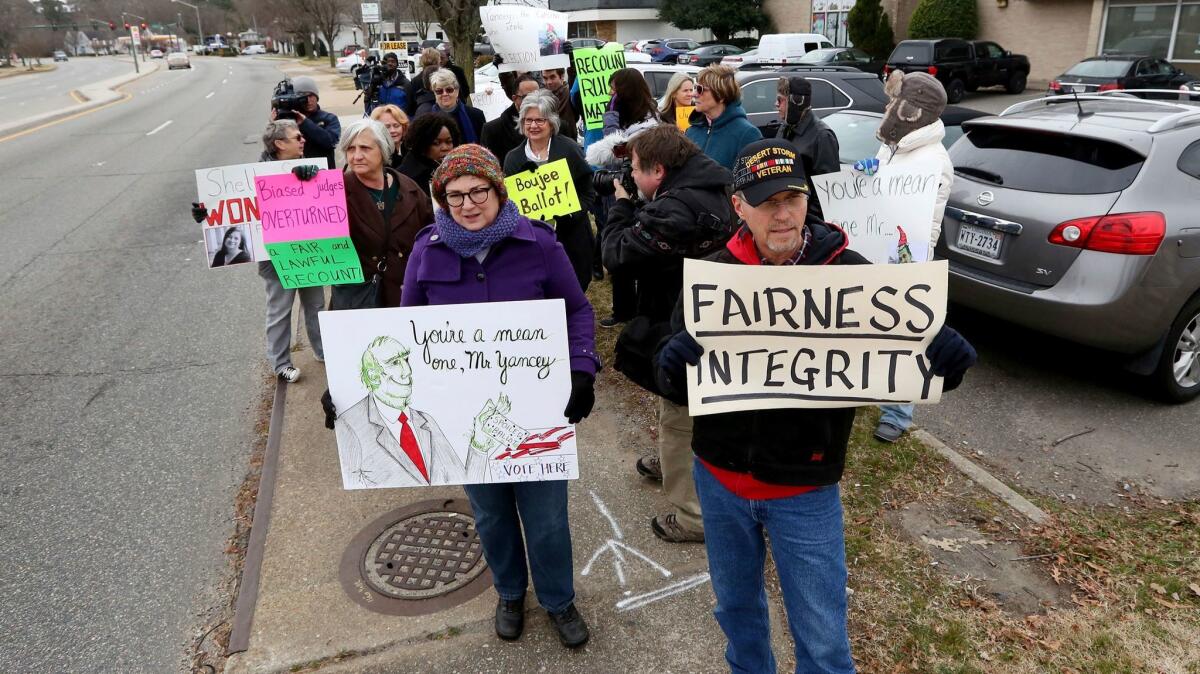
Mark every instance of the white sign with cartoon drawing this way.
pixel 450 394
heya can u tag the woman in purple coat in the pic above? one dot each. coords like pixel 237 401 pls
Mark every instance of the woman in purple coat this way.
pixel 480 249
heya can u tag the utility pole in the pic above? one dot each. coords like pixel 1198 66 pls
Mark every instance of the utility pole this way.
pixel 199 26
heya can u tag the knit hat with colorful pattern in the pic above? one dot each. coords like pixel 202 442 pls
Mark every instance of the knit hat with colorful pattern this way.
pixel 468 160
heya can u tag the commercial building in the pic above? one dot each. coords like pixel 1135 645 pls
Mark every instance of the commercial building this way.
pixel 620 20
pixel 1053 33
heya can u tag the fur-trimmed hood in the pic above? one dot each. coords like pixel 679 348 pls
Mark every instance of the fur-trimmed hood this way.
pixel 600 153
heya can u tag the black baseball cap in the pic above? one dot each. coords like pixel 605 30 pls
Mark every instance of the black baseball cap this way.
pixel 766 168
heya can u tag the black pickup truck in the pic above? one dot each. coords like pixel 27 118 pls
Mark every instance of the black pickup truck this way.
pixel 961 66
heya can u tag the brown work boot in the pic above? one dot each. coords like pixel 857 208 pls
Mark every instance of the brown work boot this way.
pixel 649 466
pixel 667 527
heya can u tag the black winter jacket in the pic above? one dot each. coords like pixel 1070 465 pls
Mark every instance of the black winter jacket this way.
pixel 690 216
pixel 818 148
pixel 778 446
pixel 500 135
pixel 321 131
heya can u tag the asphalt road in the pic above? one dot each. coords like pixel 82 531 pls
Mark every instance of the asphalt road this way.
pixel 24 96
pixel 130 374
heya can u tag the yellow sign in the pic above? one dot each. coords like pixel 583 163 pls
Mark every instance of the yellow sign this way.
pixel 682 113
pixel 393 45
pixel 544 192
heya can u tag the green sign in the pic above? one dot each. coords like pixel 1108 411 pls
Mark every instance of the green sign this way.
pixel 593 68
pixel 316 262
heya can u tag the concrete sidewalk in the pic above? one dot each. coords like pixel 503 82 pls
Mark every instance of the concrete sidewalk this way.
pixel 93 95
pixel 305 619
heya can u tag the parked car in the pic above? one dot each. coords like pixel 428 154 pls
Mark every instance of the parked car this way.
pixel 736 61
pixel 789 48
pixel 1083 226
pixel 250 50
pixel 961 66
pixel 156 53
pixel 484 47
pixel 59 55
pixel 708 54
pixel 669 50
pixel 1109 73
pixel 659 74
pixel 586 43
pixel 346 64
pixel 178 59
pixel 833 88
pixel 843 56
pixel 855 130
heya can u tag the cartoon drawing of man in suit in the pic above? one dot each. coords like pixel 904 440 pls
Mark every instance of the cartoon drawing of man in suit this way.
pixel 387 443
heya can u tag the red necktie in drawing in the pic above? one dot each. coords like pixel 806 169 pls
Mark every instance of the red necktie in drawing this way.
pixel 408 442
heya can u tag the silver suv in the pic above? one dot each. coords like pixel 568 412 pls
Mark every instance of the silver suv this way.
pixel 1080 217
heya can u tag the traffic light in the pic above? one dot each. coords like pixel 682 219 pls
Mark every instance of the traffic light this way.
pixel 112 25
pixel 126 25
pixel 143 25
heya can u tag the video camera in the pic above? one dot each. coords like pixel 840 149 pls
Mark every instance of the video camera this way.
pixel 602 180
pixel 368 78
pixel 287 102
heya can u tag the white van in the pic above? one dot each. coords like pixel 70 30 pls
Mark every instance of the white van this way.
pixel 785 48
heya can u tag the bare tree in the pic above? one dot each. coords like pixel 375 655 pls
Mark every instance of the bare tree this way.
pixel 327 16
pixel 460 20
pixel 417 12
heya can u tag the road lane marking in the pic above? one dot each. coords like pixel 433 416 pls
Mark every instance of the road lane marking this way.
pixel 160 127
pixel 224 81
pixel 210 94
pixel 125 96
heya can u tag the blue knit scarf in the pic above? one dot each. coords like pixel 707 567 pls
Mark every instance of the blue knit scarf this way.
pixel 467 243
pixel 464 124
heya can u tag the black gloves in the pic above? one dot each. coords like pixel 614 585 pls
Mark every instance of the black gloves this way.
pixel 199 212
pixel 330 410
pixel 583 396
pixel 950 355
pixel 497 60
pixel 305 172
pixel 681 351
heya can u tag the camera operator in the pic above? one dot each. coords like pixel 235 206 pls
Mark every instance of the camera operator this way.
pixel 391 88
pixel 321 129
pixel 684 211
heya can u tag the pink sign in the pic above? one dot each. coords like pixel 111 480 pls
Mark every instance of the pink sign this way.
pixel 300 210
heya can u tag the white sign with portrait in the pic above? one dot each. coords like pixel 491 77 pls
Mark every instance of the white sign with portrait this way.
pixel 528 38
pixel 451 394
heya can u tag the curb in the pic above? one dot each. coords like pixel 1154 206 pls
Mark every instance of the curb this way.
pixel 95 96
pixel 984 479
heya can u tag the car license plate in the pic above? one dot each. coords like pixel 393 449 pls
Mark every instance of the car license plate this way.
pixel 1078 89
pixel 985 242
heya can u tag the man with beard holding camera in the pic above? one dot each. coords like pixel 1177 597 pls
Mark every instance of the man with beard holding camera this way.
pixel 392 88
pixel 684 211
pixel 321 129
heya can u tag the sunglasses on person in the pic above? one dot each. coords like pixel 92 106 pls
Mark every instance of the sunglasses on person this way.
pixel 478 196
pixel 446 91
pixel 700 89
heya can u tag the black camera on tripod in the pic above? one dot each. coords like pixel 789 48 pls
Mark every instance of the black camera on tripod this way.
pixel 287 102
pixel 602 180
pixel 368 78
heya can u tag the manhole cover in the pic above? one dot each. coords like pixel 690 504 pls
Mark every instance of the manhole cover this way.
pixel 416 560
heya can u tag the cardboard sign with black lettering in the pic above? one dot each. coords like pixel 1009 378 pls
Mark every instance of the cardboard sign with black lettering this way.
pixel 812 336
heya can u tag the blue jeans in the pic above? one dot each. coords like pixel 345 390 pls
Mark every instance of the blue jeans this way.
pixel 899 416
pixel 808 546
pixel 542 508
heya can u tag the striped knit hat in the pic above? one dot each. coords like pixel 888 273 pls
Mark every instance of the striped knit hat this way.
pixel 468 160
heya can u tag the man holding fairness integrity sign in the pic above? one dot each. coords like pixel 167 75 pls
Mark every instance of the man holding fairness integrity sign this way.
pixel 777 470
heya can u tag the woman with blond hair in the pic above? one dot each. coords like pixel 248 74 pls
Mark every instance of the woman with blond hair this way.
pixel 396 122
pixel 681 93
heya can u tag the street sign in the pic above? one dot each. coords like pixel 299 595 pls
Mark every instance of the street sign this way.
pixel 370 12
pixel 393 45
pixel 136 34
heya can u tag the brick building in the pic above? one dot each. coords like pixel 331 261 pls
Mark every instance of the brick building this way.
pixel 1053 33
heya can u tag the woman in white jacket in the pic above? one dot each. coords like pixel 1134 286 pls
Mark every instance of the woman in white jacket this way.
pixel 912 132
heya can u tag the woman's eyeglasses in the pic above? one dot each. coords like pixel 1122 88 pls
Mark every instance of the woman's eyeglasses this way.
pixel 535 121
pixel 478 195
pixel 445 92
pixel 700 88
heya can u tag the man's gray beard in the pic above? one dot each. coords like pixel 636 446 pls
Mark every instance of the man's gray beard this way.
pixel 782 248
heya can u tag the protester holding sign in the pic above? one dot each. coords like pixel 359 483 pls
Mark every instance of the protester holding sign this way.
pixel 722 128
pixel 385 209
pixel 679 101
pixel 776 471
pixel 480 249
pixel 682 212
pixel 912 133
pixel 540 124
